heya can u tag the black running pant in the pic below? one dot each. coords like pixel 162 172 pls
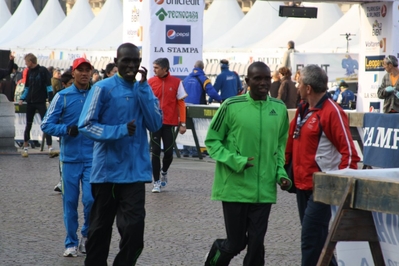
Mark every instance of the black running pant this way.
pixel 126 201
pixel 246 224
pixel 166 133
pixel 31 109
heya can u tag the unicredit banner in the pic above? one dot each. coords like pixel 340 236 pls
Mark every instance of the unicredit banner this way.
pixel 173 29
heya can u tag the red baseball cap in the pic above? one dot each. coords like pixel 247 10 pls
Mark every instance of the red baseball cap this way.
pixel 77 62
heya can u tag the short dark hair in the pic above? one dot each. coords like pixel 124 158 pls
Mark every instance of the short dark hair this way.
pixel 66 77
pixel 343 84
pixel 255 65
pixel 224 61
pixel 316 77
pixel 291 44
pixel 15 67
pixel 162 62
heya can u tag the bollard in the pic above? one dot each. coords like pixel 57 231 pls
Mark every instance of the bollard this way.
pixel 7 128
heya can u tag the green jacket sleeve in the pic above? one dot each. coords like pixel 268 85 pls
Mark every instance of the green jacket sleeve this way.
pixel 215 141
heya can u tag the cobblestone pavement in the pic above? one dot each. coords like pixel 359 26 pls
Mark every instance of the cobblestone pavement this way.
pixel 181 222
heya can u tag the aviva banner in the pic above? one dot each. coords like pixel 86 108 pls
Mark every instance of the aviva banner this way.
pixel 173 29
pixel 381 140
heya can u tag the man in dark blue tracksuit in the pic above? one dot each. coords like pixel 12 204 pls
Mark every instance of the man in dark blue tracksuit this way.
pixel 227 82
pixel 197 85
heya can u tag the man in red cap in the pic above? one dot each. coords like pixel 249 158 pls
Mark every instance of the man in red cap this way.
pixel 76 153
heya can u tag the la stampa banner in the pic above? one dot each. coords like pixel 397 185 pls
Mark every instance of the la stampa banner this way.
pixel 381 140
pixel 173 30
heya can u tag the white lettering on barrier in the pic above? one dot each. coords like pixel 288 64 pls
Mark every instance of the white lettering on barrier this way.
pixel 383 138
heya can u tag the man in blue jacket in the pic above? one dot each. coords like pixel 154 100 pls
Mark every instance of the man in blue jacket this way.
pixel 76 153
pixel 197 85
pixel 227 82
pixel 116 115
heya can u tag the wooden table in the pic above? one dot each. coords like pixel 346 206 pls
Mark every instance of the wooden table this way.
pixel 357 198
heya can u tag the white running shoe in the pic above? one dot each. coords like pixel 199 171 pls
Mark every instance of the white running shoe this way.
pixel 164 178
pixel 157 187
pixel 82 245
pixel 58 187
pixel 71 252
pixel 24 153
pixel 52 153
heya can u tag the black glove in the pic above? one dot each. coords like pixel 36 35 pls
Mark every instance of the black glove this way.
pixel 131 127
pixel 73 131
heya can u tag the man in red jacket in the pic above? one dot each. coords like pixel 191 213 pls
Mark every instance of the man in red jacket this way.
pixel 170 92
pixel 319 140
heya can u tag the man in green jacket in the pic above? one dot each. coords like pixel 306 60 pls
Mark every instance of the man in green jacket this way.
pixel 247 138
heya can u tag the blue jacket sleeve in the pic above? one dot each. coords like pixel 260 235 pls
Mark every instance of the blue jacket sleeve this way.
pixel 24 94
pixel 149 105
pixel 52 124
pixel 210 90
pixel 217 85
pixel 89 119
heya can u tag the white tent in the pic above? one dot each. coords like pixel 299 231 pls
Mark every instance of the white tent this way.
pixel 22 18
pixel 334 39
pixel 221 16
pixel 51 16
pixel 301 30
pixel 80 15
pixel 109 18
pixel 259 22
pixel 110 42
pixel 4 13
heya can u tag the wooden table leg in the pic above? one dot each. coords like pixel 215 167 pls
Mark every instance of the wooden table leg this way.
pixel 351 225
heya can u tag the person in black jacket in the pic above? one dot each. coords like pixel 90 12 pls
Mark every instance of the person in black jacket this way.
pixel 37 90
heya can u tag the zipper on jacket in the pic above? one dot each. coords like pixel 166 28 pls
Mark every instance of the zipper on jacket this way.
pixel 163 90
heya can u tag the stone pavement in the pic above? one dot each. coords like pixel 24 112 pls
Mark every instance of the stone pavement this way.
pixel 181 222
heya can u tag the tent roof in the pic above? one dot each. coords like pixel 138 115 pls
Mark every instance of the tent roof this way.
pixel 334 39
pixel 81 14
pixel 221 16
pixel 301 30
pixel 22 18
pixel 4 13
pixel 109 18
pixel 109 42
pixel 252 28
pixel 51 16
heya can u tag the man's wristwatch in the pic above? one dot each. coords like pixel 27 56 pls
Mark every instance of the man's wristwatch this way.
pixel 183 124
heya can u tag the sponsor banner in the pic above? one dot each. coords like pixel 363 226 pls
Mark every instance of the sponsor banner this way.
pixel 381 140
pixel 377 40
pixel 170 27
pixel 132 25
pixel 337 66
pixel 66 55
pixel 374 63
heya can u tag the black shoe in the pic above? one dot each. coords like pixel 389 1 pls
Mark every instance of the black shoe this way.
pixel 185 155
